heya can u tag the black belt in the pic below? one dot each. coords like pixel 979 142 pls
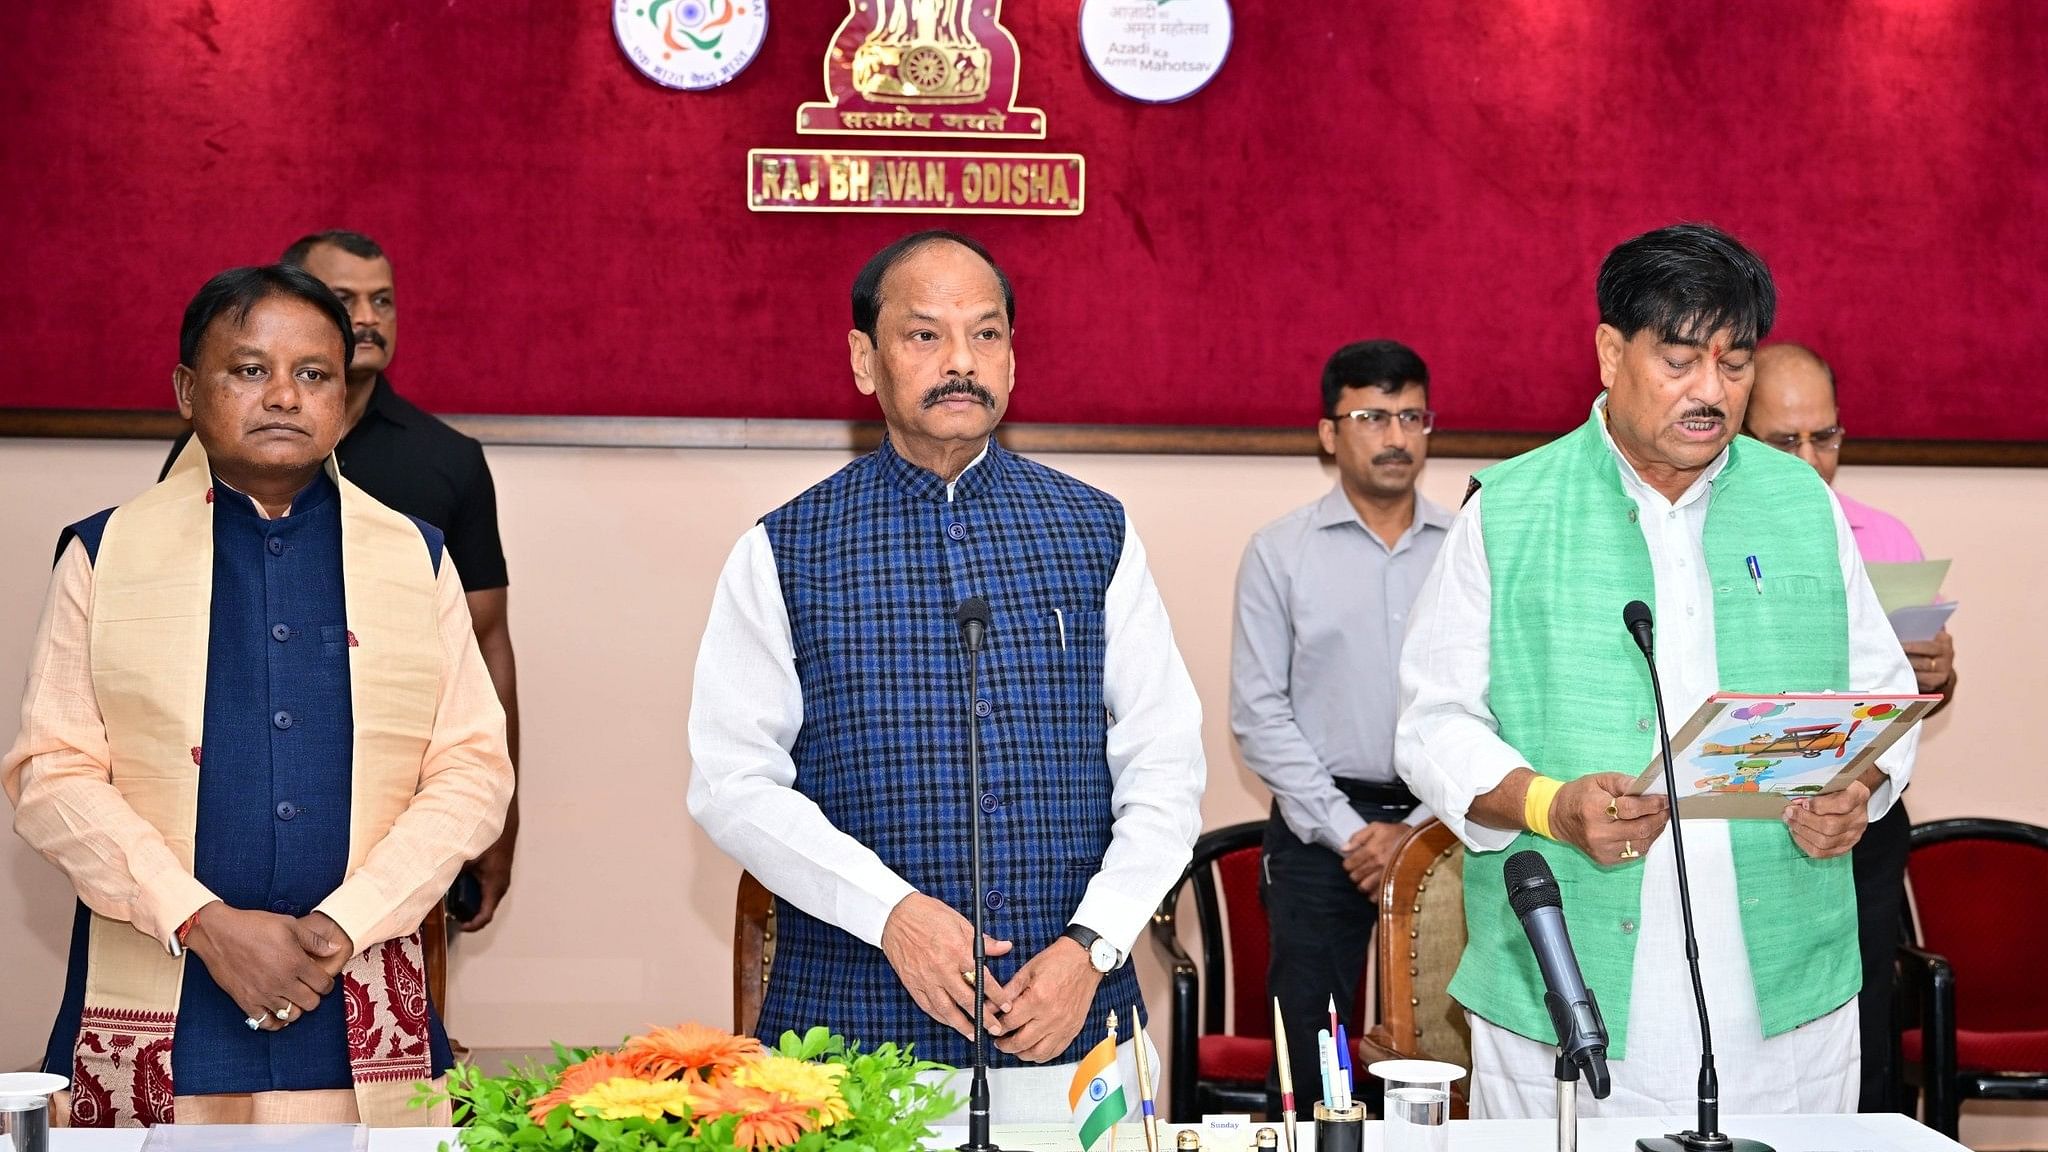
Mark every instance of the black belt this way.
pixel 1390 795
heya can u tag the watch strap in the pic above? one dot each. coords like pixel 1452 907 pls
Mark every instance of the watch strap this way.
pixel 1083 935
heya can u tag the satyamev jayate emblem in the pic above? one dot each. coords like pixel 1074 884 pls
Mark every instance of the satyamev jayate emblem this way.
pixel 945 68
pixel 922 68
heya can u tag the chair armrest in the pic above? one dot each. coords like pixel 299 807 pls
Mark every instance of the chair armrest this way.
pixel 1165 932
pixel 1183 1025
pixel 1934 984
pixel 1376 1045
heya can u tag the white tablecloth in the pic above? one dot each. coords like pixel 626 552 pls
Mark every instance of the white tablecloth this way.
pixel 1888 1132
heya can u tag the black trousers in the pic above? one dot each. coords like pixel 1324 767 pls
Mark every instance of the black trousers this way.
pixel 1880 859
pixel 1321 928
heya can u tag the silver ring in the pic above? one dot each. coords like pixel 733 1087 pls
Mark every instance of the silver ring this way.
pixel 255 1023
pixel 284 1013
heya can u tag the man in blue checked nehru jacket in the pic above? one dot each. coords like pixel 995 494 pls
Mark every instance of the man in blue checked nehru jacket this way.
pixel 829 724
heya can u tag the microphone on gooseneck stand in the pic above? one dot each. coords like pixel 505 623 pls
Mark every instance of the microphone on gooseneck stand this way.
pixel 1581 1033
pixel 973 617
pixel 1707 1137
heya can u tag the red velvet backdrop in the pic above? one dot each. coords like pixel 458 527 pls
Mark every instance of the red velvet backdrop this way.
pixel 570 238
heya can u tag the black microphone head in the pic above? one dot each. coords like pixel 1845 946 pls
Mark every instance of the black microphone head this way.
pixel 973 610
pixel 1531 884
pixel 1636 615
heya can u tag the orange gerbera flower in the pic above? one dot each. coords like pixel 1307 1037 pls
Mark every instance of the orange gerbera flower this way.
pixel 581 1077
pixel 766 1119
pixel 665 1052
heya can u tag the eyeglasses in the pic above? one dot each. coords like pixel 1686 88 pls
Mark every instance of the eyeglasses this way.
pixel 1825 440
pixel 1379 419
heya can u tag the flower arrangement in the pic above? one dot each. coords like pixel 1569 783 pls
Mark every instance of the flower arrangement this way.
pixel 697 1089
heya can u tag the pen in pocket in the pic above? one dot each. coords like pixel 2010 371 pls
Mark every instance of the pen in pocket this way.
pixel 1059 617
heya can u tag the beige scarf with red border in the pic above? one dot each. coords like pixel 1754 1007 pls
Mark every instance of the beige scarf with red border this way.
pixel 150 620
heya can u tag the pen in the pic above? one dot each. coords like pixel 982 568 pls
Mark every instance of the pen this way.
pixel 1343 1069
pixel 1326 1061
pixel 1286 1075
pixel 1150 1120
pixel 1756 574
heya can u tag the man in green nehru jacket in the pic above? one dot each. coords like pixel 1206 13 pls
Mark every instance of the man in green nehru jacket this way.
pixel 1527 711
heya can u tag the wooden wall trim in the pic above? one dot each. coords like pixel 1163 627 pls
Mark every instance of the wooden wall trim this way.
pixel 847 435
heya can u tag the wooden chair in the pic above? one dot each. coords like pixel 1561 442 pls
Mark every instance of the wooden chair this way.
pixel 1974 1022
pixel 434 945
pixel 1421 937
pixel 753 951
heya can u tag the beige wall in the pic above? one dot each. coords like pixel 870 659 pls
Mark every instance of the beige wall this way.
pixel 621 909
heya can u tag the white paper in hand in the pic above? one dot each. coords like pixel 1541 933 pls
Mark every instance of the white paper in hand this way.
pixel 1917 622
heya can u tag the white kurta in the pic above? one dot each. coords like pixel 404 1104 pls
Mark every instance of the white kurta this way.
pixel 1448 749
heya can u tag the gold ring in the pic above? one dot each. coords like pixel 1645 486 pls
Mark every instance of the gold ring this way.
pixel 1614 808
pixel 1628 850
pixel 967 974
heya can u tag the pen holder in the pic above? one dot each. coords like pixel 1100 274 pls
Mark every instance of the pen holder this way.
pixel 1340 1129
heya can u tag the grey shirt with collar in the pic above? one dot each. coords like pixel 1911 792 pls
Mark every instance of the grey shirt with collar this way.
pixel 1322 607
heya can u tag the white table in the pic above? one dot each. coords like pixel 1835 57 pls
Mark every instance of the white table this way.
pixel 1887 1132
pixel 130 1139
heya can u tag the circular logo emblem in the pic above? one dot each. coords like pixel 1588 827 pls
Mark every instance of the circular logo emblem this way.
pixel 1098 1088
pixel 1155 51
pixel 690 44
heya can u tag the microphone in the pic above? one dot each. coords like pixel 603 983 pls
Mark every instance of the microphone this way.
pixel 1707 1137
pixel 1636 615
pixel 1581 1033
pixel 973 618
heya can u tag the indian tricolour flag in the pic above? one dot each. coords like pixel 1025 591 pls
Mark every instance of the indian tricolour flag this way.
pixel 1097 1093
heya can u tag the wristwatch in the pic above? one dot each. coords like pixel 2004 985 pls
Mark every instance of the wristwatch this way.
pixel 1101 953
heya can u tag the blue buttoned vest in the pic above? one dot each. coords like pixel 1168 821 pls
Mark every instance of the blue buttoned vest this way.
pixel 274 785
pixel 872 563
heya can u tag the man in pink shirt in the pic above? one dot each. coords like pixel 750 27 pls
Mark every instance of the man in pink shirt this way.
pixel 1792 407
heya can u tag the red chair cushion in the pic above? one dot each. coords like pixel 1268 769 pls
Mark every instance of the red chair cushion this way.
pixel 1989 1051
pixel 1992 940
pixel 1240 1059
pixel 1244 919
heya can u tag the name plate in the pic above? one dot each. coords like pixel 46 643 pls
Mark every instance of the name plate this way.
pixel 964 183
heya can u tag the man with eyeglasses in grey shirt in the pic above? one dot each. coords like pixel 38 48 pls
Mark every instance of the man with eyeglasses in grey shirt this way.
pixel 1323 595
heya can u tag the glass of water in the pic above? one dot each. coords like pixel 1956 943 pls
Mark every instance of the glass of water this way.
pixel 25 1110
pixel 1418 1108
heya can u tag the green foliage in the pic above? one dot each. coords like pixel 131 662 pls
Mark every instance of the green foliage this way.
pixel 893 1110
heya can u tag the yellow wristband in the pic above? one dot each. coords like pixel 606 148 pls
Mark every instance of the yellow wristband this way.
pixel 1536 804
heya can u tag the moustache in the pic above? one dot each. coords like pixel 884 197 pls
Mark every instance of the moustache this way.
pixel 1393 456
pixel 939 394
pixel 370 336
pixel 1706 412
